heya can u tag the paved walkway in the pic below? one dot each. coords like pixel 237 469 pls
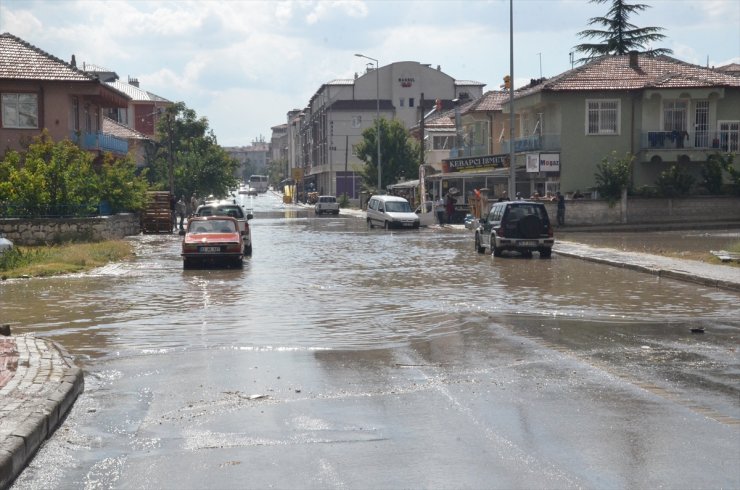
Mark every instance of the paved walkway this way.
pixel 38 385
pixel 719 276
pixel 39 382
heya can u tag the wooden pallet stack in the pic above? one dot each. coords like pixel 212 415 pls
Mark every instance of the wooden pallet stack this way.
pixel 157 216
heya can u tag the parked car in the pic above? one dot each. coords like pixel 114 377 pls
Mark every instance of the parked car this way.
pixel 521 226
pixel 391 212
pixel 5 244
pixel 326 204
pixel 230 208
pixel 212 240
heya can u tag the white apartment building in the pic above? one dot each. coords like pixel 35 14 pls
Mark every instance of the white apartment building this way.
pixel 321 137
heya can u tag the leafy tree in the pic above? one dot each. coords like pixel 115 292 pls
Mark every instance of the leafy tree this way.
pixel 674 182
pixel 619 35
pixel 199 163
pixel 614 174
pixel 120 186
pixel 398 152
pixel 60 178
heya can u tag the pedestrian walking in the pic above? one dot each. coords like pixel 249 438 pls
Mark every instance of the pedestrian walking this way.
pixel 439 208
pixel 182 210
pixel 173 216
pixel 561 209
pixel 193 203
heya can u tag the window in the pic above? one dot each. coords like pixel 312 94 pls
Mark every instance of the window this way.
pixel 20 111
pixel 411 102
pixel 356 121
pixel 602 117
pixel 75 113
pixel 400 102
pixel 674 115
pixel 442 142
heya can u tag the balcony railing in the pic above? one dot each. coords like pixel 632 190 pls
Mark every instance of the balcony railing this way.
pixel 100 141
pixel 469 151
pixel 726 141
pixel 536 142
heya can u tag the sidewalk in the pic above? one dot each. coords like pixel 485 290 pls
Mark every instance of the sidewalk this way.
pixel 38 385
pixel 719 276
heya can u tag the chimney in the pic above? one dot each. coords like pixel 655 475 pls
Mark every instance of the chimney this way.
pixel 633 60
pixel 73 62
pixel 439 68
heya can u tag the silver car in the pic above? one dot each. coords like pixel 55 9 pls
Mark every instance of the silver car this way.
pixel 391 212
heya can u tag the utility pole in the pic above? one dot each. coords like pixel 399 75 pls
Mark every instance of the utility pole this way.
pixel 171 169
pixel 512 166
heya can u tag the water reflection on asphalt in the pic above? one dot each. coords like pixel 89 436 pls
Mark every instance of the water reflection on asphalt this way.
pixel 330 282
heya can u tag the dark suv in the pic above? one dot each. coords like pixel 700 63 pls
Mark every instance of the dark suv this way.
pixel 522 226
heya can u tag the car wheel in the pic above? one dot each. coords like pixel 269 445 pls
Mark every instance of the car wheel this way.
pixel 545 253
pixel 478 247
pixel 248 251
pixel 370 223
pixel 387 225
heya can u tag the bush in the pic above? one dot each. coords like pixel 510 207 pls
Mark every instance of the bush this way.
pixel 344 201
pixel 612 175
pixel 711 173
pixel 674 182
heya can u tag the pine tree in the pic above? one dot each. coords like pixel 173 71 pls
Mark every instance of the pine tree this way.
pixel 619 36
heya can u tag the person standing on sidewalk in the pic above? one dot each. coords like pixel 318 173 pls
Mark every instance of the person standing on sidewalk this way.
pixel 561 208
pixel 439 208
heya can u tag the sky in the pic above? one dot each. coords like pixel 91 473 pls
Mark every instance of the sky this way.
pixel 243 64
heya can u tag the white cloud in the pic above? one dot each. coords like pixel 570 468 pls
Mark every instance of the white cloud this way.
pixel 272 56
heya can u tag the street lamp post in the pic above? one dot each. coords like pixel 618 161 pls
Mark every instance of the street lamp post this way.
pixel 377 114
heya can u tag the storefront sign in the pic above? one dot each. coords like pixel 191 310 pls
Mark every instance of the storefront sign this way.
pixel 470 163
pixel 549 162
pixel 533 162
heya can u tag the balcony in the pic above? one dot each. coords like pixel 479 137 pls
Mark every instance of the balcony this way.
pixel 100 142
pixel 536 142
pixel 469 151
pixel 724 141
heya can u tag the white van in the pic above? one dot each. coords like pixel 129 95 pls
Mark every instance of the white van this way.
pixel 391 212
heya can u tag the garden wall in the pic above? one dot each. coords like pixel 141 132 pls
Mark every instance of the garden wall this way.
pixel 640 210
pixel 54 230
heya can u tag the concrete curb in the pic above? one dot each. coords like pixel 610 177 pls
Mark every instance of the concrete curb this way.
pixel 716 276
pixel 34 402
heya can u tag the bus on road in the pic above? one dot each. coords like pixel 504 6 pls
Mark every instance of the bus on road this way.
pixel 258 183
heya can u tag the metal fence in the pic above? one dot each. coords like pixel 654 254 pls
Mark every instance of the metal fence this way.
pixel 8 210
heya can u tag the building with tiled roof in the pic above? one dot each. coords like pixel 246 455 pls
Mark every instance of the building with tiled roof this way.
pixel 143 107
pixel 662 110
pixel 337 114
pixel 40 91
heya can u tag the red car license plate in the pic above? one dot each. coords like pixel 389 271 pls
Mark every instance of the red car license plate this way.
pixel 209 249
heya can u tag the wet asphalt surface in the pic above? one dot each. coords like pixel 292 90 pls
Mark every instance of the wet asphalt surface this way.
pixel 342 357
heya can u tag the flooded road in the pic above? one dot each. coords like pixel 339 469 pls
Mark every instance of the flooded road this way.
pixel 346 357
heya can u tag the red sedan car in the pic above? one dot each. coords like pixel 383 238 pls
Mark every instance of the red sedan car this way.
pixel 212 240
